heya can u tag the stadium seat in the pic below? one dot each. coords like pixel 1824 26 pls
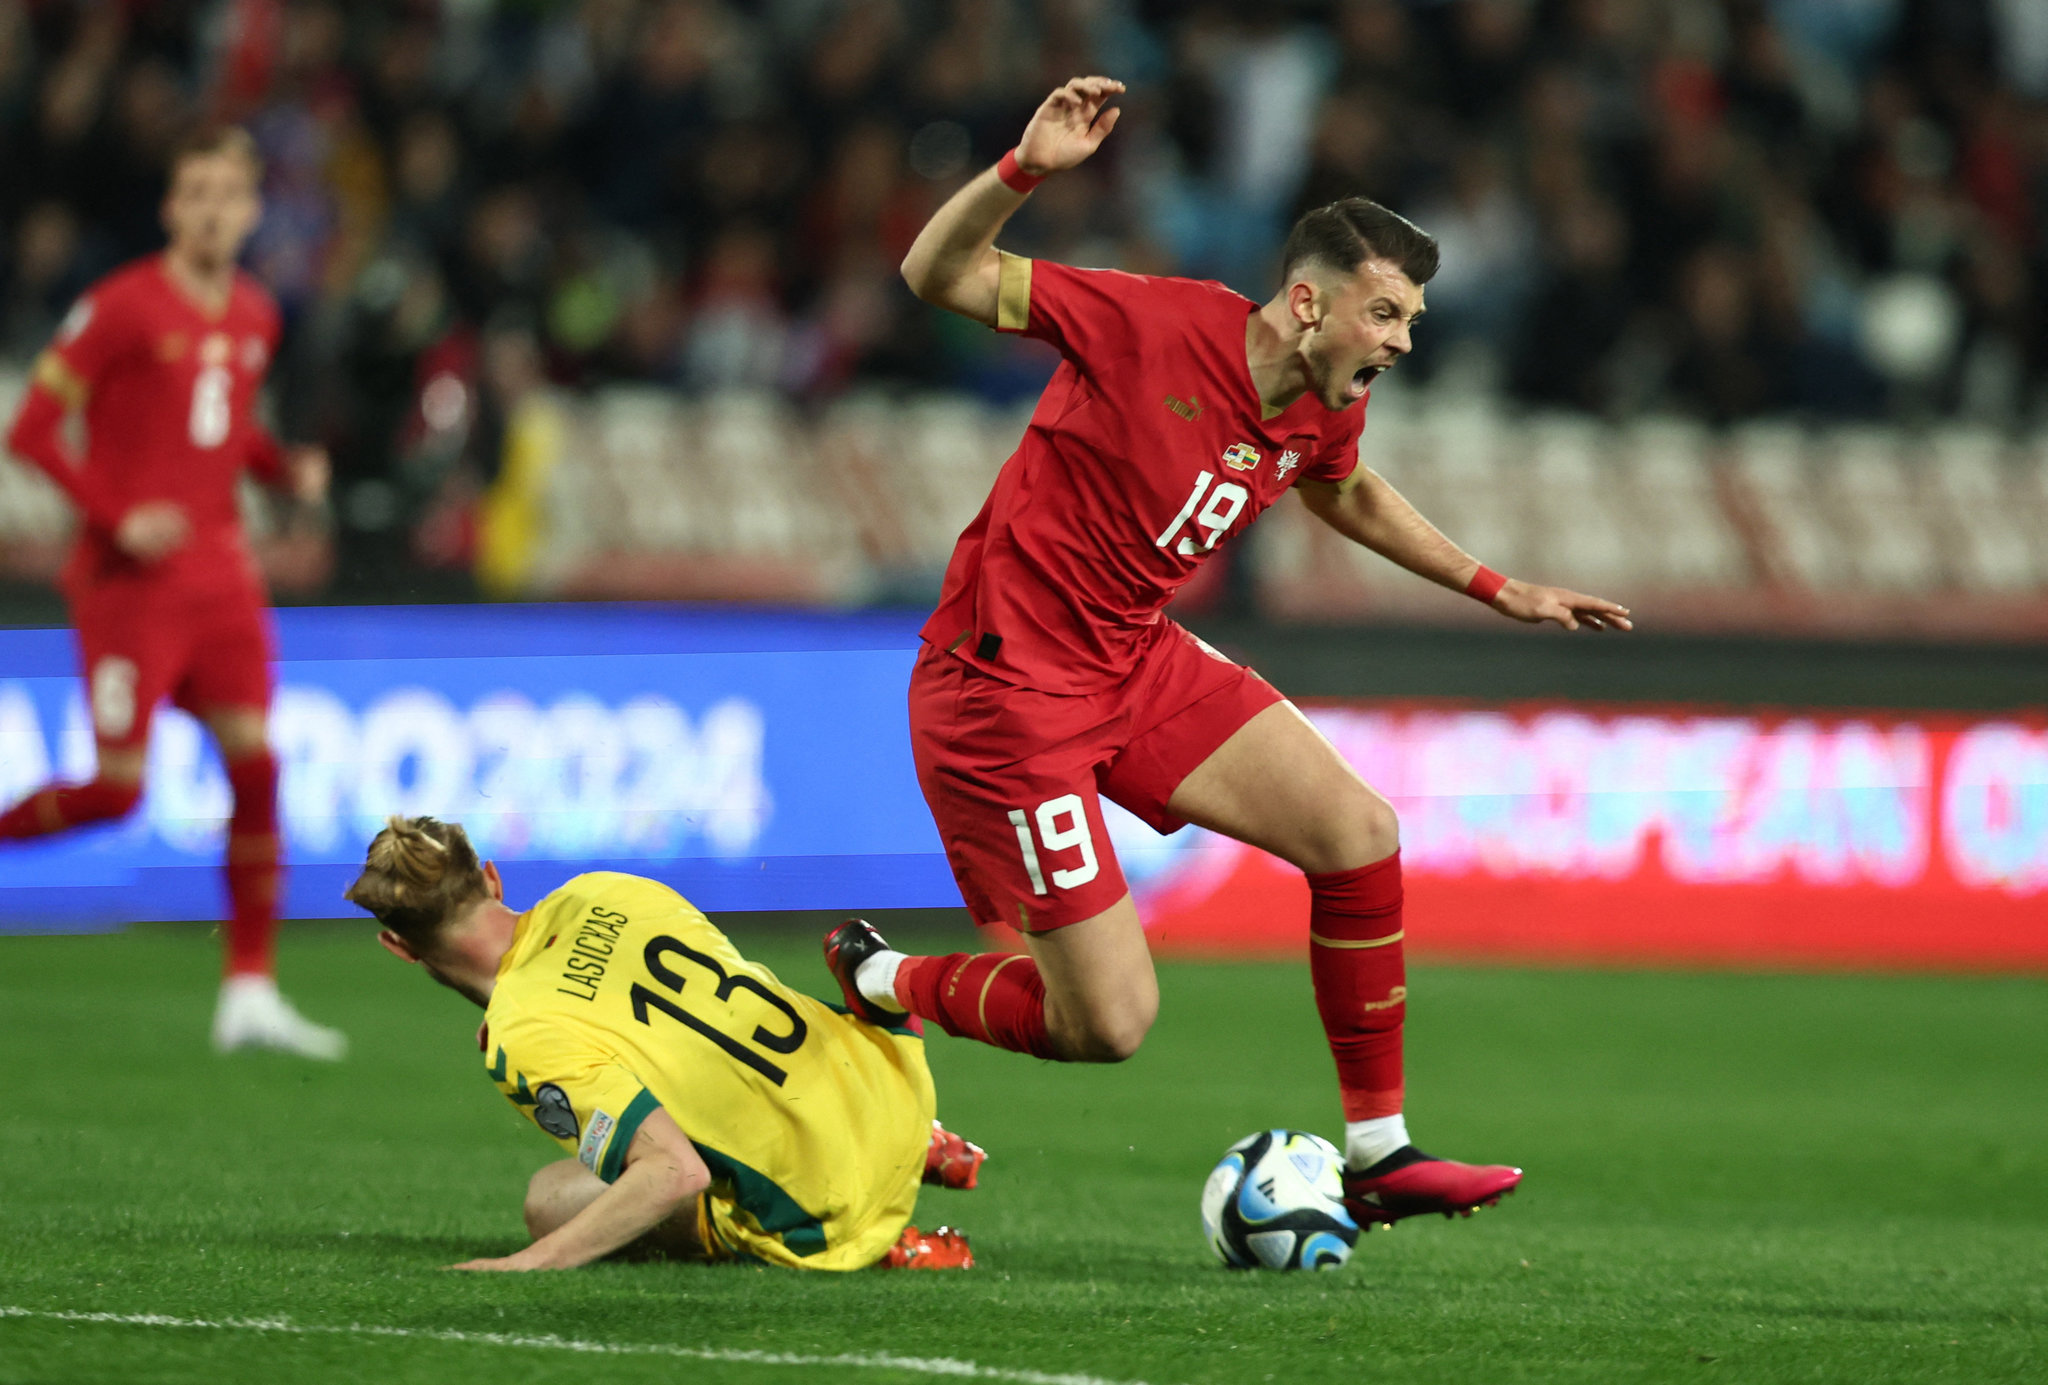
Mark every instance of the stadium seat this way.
pixel 1981 498
pixel 1772 472
pixel 1685 538
pixel 1890 542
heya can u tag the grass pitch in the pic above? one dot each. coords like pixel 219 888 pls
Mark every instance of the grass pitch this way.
pixel 1754 1178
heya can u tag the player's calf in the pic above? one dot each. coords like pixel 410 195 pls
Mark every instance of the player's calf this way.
pixel 1086 1035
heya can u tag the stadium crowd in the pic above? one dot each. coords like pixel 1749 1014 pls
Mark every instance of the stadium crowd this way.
pixel 1727 208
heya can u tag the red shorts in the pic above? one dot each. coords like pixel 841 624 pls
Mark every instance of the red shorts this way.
pixel 1014 776
pixel 204 651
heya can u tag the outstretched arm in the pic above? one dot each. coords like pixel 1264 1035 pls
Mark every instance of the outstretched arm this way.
pixel 1368 511
pixel 953 263
pixel 663 1171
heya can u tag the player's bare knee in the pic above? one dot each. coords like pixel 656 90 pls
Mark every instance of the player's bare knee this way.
pixel 1359 828
pixel 557 1192
pixel 1380 827
pixel 239 731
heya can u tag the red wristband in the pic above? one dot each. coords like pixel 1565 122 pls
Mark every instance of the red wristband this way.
pixel 1013 175
pixel 1485 585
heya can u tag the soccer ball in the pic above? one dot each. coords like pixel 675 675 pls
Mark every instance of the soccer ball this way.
pixel 1277 1202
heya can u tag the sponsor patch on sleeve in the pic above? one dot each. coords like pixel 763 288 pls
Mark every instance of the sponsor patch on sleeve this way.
pixel 594 1136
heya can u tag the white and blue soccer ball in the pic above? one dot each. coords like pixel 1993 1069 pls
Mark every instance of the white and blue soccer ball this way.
pixel 1277 1202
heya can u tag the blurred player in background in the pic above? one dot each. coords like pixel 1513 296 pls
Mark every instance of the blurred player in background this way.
pixel 163 358
pixel 1049 675
pixel 711 1112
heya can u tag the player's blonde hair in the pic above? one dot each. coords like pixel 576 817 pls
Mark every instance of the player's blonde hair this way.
pixel 420 873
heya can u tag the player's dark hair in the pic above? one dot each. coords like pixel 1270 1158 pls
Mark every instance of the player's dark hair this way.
pixel 208 140
pixel 420 873
pixel 1352 230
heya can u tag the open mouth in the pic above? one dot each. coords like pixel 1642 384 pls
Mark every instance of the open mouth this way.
pixel 1362 381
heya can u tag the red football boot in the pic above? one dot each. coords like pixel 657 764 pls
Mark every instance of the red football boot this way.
pixel 944 1249
pixel 951 1162
pixel 1408 1183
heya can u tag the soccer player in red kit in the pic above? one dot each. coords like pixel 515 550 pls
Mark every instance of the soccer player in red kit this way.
pixel 164 357
pixel 1049 676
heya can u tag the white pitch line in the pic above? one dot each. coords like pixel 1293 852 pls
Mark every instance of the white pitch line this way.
pixel 921 1365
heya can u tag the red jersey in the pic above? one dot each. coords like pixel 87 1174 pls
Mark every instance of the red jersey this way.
pixel 1146 452
pixel 167 389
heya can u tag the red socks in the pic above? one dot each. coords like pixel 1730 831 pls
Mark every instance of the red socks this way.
pixel 1354 957
pixel 252 860
pixel 1355 960
pixel 57 807
pixel 252 865
pixel 995 997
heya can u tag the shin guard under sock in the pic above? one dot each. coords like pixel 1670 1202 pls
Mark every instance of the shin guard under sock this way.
pixel 995 997
pixel 1361 981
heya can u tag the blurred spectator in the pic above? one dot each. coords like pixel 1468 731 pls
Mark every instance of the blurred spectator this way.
pixel 1488 248
pixel 1728 366
pixel 738 333
pixel 46 271
pixel 1578 314
pixel 518 441
pixel 1729 207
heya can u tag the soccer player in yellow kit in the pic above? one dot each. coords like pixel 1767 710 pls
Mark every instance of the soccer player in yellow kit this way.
pixel 711 1112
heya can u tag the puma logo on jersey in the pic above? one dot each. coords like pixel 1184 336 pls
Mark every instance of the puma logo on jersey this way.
pixel 1189 408
pixel 1240 456
pixel 1289 460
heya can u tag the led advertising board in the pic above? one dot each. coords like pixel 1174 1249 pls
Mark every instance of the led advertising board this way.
pixel 760 761
pixel 754 761
pixel 1559 832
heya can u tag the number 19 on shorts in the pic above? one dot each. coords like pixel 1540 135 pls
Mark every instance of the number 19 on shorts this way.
pixel 1054 836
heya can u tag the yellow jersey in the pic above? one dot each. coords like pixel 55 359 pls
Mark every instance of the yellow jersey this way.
pixel 617 996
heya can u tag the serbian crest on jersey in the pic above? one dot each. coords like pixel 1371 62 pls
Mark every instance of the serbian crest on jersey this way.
pixel 1289 460
pixel 1240 456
